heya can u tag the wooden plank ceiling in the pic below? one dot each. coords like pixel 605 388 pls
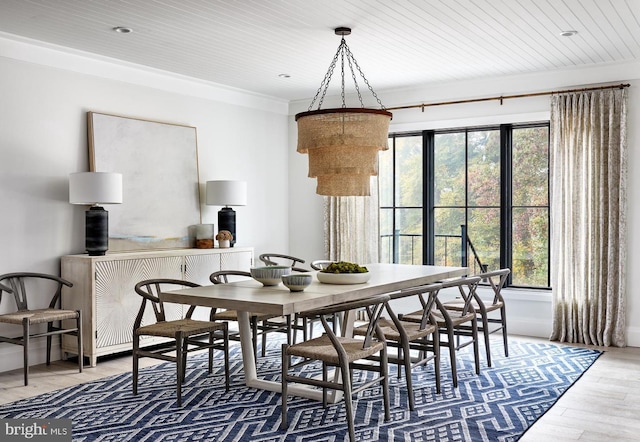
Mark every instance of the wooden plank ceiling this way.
pixel 246 44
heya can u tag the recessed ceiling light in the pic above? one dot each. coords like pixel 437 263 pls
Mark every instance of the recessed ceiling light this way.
pixel 122 30
pixel 568 33
pixel 284 75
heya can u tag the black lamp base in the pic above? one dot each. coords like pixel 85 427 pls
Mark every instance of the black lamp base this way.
pixel 97 231
pixel 227 221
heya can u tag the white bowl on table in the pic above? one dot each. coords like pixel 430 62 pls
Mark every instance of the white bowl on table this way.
pixel 269 275
pixel 343 278
pixel 297 282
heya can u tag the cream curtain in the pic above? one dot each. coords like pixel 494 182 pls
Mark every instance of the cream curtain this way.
pixel 351 229
pixel 588 211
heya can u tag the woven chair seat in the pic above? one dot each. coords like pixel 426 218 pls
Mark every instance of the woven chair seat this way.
pixel 413 316
pixel 458 304
pixel 457 317
pixel 226 315
pixel 322 349
pixel 232 315
pixel 169 329
pixel 39 316
pixel 391 331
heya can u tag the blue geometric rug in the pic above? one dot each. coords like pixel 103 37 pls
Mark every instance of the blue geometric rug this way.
pixel 498 405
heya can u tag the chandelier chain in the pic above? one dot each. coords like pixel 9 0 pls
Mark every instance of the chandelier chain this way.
pixel 326 80
pixel 364 78
pixel 326 86
pixel 344 104
pixel 343 50
pixel 355 81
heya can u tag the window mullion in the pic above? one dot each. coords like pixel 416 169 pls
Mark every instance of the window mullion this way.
pixel 428 184
pixel 466 192
pixel 506 197
pixel 395 240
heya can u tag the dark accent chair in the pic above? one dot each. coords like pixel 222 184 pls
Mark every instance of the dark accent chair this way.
pixel 451 322
pixel 185 335
pixel 496 280
pixel 342 353
pixel 44 288
pixel 420 337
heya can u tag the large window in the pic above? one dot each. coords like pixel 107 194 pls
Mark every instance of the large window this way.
pixel 473 196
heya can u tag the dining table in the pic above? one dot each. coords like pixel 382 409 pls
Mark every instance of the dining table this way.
pixel 250 295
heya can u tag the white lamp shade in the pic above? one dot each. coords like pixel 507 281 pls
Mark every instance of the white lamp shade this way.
pixel 226 193
pixel 95 188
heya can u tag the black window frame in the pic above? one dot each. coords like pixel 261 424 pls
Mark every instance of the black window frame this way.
pixel 506 190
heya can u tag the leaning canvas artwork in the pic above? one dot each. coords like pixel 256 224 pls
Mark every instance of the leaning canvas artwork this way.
pixel 159 164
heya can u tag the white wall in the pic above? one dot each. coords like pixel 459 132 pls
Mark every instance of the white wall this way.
pixel 529 312
pixel 44 97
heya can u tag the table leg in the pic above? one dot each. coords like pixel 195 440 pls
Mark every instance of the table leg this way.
pixel 250 373
pixel 248 358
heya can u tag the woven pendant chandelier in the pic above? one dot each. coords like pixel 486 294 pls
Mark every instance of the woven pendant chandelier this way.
pixel 343 143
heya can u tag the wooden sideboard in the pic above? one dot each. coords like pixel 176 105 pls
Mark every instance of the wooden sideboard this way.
pixel 103 288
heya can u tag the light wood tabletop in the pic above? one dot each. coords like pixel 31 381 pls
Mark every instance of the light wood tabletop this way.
pixel 250 295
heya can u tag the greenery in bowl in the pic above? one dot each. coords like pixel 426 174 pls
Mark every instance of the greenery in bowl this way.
pixel 344 267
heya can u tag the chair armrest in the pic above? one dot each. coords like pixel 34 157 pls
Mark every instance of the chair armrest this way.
pixel 220 277
pixel 4 288
pixel 493 273
pixel 36 275
pixel 265 258
pixel 321 264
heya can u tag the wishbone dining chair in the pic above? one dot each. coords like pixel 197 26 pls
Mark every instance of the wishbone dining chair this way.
pixel 451 321
pixel 484 309
pixel 344 353
pixel 30 288
pixel 416 343
pixel 185 335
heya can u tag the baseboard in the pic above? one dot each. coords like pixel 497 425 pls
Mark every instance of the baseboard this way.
pixel 633 336
pixel 11 355
pixel 527 327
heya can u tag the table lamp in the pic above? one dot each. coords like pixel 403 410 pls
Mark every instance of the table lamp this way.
pixel 227 193
pixel 94 188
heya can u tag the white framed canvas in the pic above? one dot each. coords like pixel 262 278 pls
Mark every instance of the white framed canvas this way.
pixel 159 166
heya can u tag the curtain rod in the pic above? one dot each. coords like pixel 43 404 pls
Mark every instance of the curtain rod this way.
pixel 504 97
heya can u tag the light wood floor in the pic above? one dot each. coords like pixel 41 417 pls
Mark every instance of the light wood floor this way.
pixel 604 404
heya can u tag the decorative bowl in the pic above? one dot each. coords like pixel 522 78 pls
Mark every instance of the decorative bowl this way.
pixel 297 282
pixel 269 275
pixel 343 278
